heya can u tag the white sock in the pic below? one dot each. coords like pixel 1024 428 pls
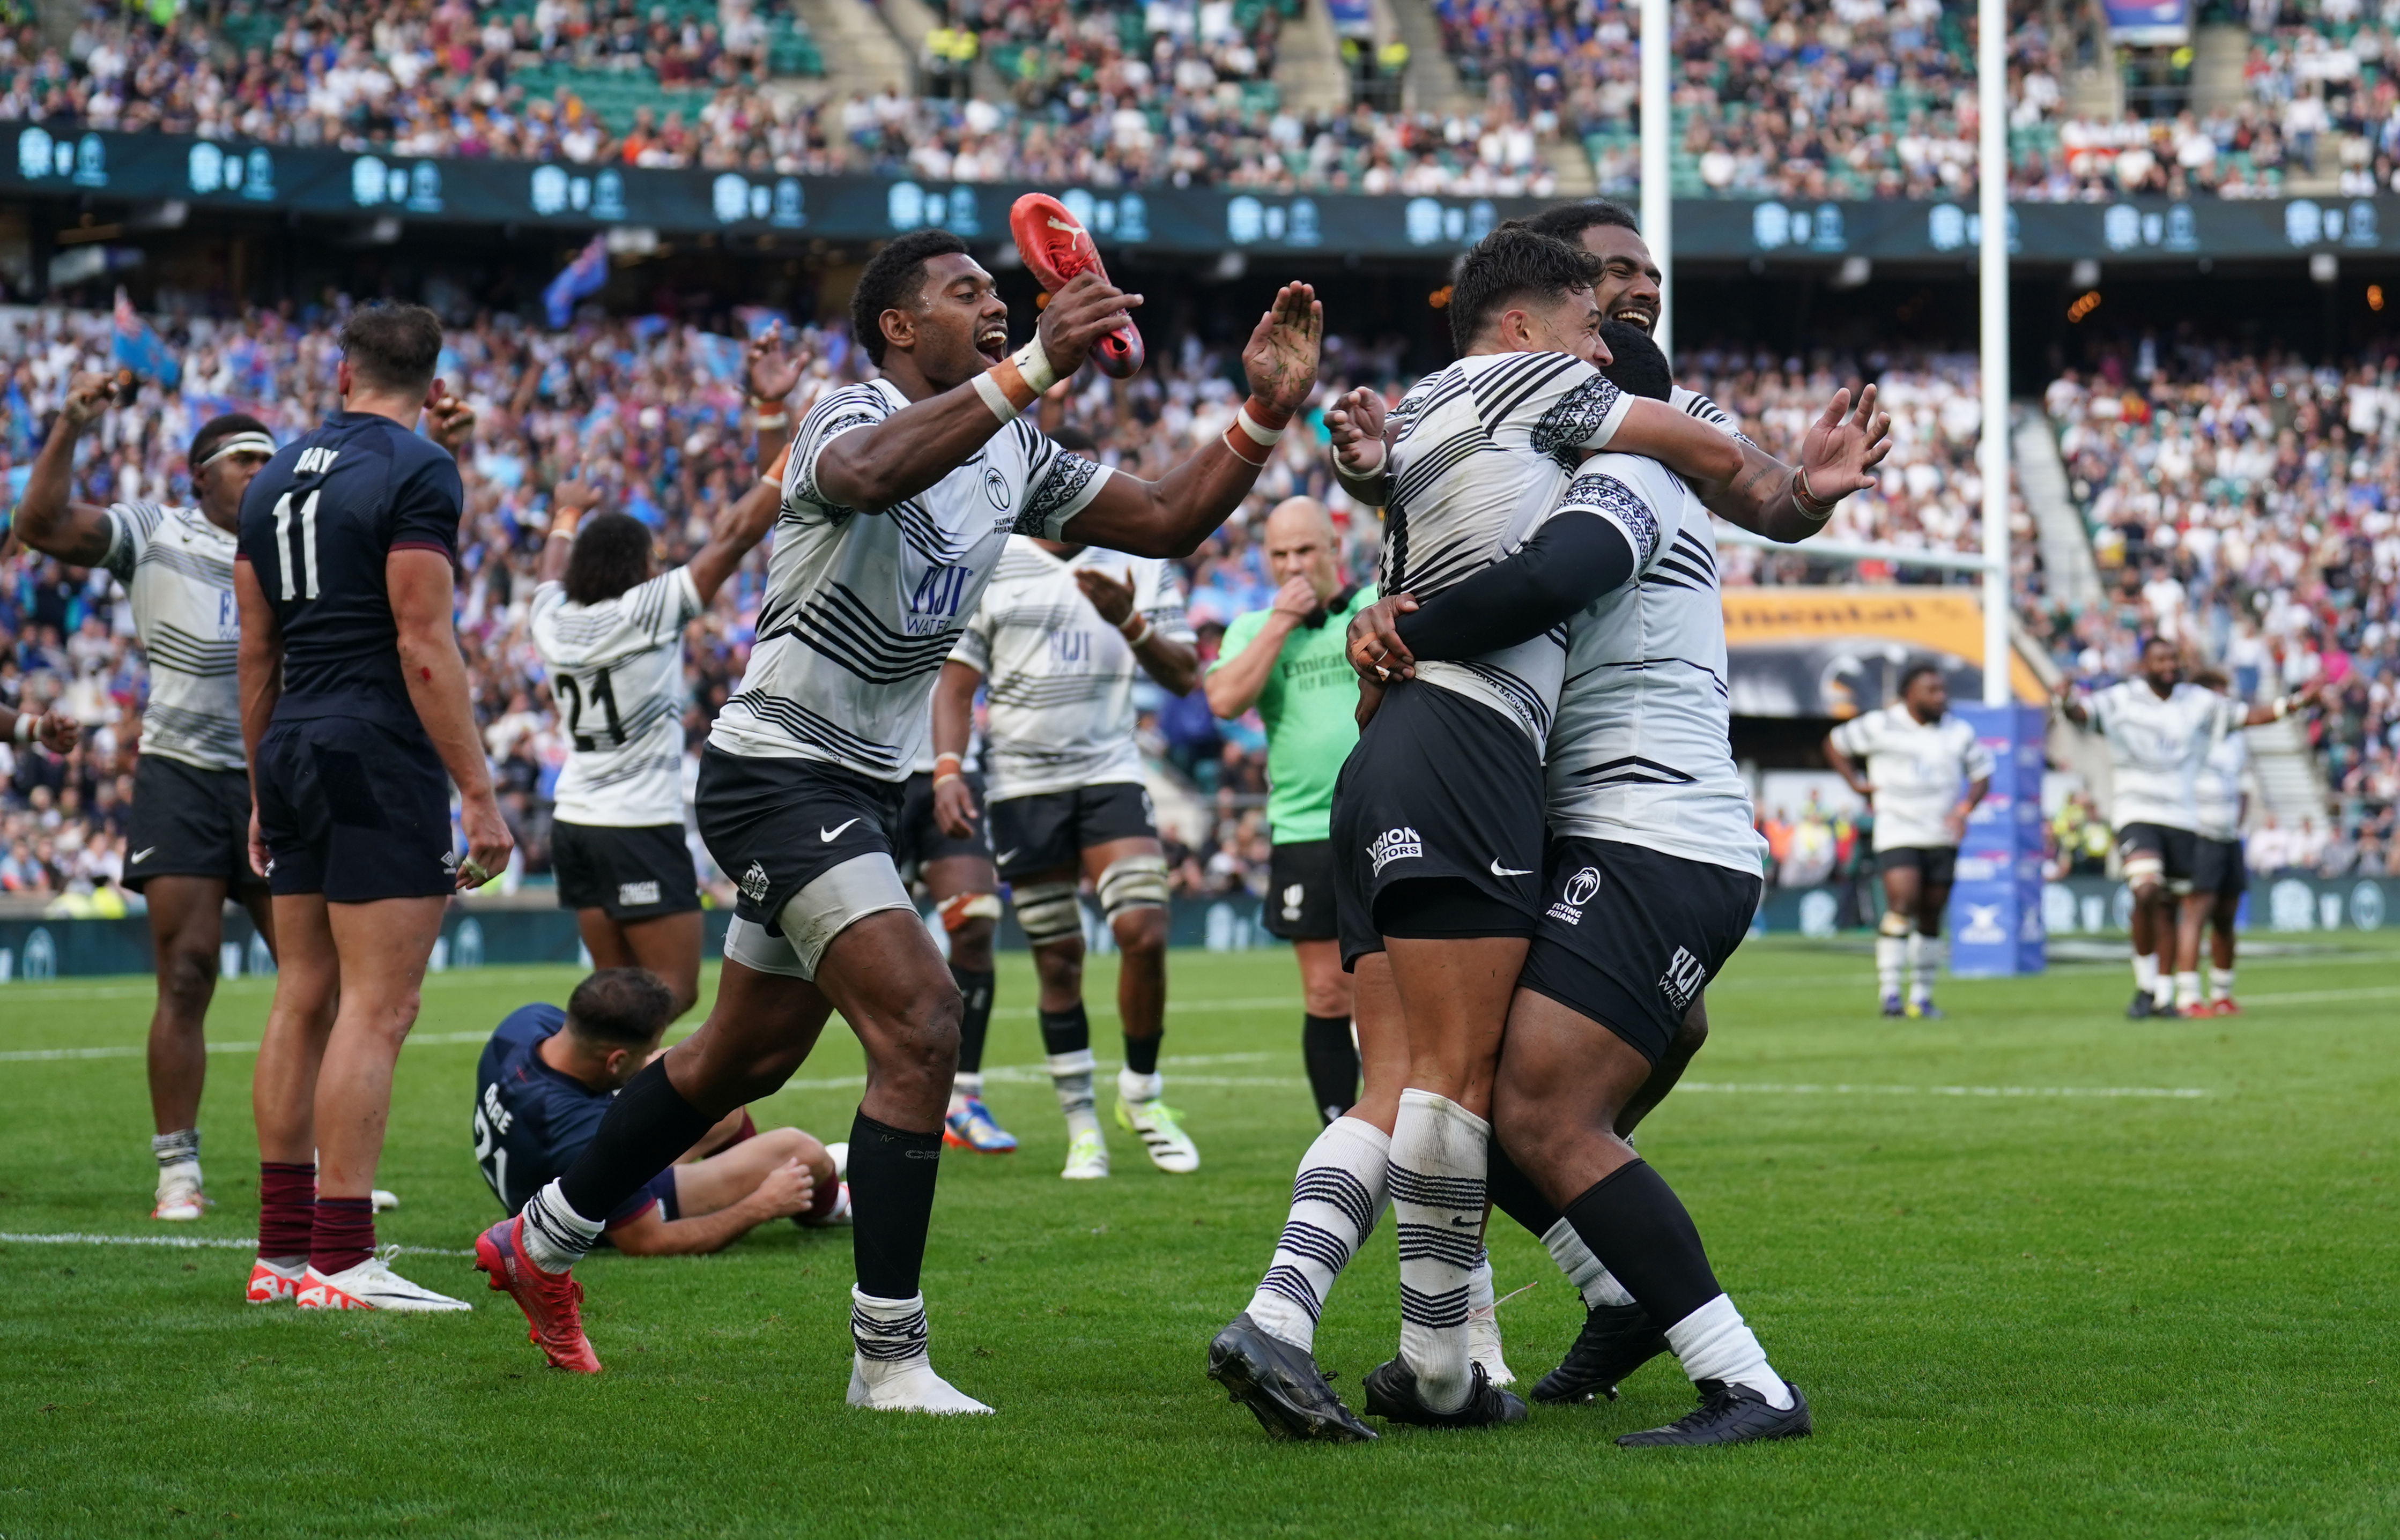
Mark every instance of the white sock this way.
pixel 1070 1076
pixel 1483 1343
pixel 965 1087
pixel 891 1370
pixel 1140 1088
pixel 1924 962
pixel 555 1236
pixel 2145 973
pixel 2162 992
pixel 2220 984
pixel 1440 1155
pixel 1335 1198
pixel 1594 1282
pixel 2187 988
pixel 1714 1344
pixel 1890 950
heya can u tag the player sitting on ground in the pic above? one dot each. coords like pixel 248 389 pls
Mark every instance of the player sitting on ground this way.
pixel 1058 640
pixel 545 1081
pixel 610 635
pixel 898 498
pixel 1926 772
pixel 189 844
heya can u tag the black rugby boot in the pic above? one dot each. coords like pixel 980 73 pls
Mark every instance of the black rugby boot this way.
pixel 1392 1394
pixel 1729 1414
pixel 2143 1005
pixel 1616 1340
pixel 1281 1385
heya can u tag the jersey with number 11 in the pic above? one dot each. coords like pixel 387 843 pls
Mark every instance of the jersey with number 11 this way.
pixel 317 525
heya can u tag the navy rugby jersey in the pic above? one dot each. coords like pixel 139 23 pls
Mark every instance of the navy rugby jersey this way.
pixel 316 524
pixel 531 1120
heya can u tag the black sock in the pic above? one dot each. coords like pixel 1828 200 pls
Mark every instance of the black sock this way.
pixel 1333 1062
pixel 974 987
pixel 1637 1227
pixel 646 1127
pixel 1514 1195
pixel 1141 1053
pixel 1067 1032
pixel 891 1176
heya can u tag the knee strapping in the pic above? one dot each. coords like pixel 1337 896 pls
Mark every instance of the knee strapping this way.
pixel 959 908
pixel 1048 911
pixel 1133 882
pixel 1893 923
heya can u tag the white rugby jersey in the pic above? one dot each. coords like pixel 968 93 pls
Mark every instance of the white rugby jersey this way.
pixel 863 604
pixel 1479 452
pixel 177 569
pixel 1919 769
pixel 616 680
pixel 1643 751
pixel 1058 679
pixel 2219 784
pixel 1693 404
pixel 2155 748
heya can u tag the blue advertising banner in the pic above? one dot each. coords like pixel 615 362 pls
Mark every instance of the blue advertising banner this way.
pixel 1994 920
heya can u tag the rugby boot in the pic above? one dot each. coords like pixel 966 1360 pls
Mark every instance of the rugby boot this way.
pixel 1392 1395
pixel 553 1302
pixel 969 1126
pixel 271 1282
pixel 1056 249
pixel 1160 1128
pixel 1729 1414
pixel 2228 1006
pixel 2143 1005
pixel 1087 1157
pixel 1281 1384
pixel 371 1284
pixel 1892 1007
pixel 1616 1340
pixel 180 1198
pixel 1924 1009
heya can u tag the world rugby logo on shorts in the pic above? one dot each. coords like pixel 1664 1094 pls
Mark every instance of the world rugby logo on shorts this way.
pixel 1400 844
pixel 632 895
pixel 1579 890
pixel 1291 899
pixel 1682 980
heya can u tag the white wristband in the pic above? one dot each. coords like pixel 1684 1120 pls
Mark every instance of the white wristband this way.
pixel 1034 365
pixel 26 722
pixel 1371 473
pixel 987 386
pixel 1136 638
pixel 1265 437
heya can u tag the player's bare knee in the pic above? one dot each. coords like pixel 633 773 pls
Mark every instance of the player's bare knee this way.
pixel 1140 932
pixel 188 978
pixel 971 943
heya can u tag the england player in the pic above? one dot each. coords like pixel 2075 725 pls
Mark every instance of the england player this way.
pixel 355 711
pixel 1651 876
pixel 1286 660
pixel 610 637
pixel 1925 772
pixel 546 1080
pixel 190 843
pixel 1057 642
pixel 898 501
pixel 2160 729
pixel 2221 871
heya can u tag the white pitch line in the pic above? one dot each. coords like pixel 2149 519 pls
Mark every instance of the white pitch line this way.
pixel 2309 996
pixel 1766 1088
pixel 186 1243
pixel 134 1050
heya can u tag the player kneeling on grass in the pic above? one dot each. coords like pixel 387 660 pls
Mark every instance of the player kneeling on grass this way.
pixel 549 1076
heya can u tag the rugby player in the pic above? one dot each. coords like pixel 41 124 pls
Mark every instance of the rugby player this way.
pixel 1286 660
pixel 899 497
pixel 1057 642
pixel 2221 870
pixel 355 712
pixel 2159 728
pixel 546 1080
pixel 610 637
pixel 188 847
pixel 1924 773
pixel 1651 874
pixel 1627 289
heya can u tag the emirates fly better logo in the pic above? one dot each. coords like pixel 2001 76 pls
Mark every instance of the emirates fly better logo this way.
pixel 1400 844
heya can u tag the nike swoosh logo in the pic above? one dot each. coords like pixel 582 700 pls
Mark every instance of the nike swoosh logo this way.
pixel 829 836
pixel 1464 1224
pixel 142 855
pixel 1499 870
pixel 1005 857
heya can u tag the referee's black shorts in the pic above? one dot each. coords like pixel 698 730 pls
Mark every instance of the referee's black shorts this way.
pixel 1300 904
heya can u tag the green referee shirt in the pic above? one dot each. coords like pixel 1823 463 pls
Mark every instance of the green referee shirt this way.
pixel 1309 704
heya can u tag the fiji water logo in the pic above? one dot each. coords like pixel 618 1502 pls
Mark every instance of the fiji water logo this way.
pixel 934 603
pixel 1396 844
pixel 1070 649
pixel 1682 980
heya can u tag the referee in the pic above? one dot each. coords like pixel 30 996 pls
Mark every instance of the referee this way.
pixel 1287 660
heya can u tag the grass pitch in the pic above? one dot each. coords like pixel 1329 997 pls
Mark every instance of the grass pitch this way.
pixel 2040 1270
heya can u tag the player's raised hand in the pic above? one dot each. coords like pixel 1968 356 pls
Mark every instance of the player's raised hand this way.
pixel 1078 317
pixel 1844 447
pixel 1374 645
pixel 1111 598
pixel 773 370
pixel 454 424
pixel 488 842
pixel 1281 356
pixel 88 396
pixel 1355 421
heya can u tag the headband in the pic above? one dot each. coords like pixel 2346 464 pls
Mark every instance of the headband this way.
pixel 246 442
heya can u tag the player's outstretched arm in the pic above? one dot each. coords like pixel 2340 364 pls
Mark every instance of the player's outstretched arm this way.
pixel 569 501
pixel 1576 557
pixel 418 583
pixel 1174 665
pixel 1787 503
pixel 887 462
pixel 45 520
pixel 1684 444
pixel 1172 515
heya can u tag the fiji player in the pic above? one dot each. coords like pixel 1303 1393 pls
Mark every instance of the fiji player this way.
pixel 355 709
